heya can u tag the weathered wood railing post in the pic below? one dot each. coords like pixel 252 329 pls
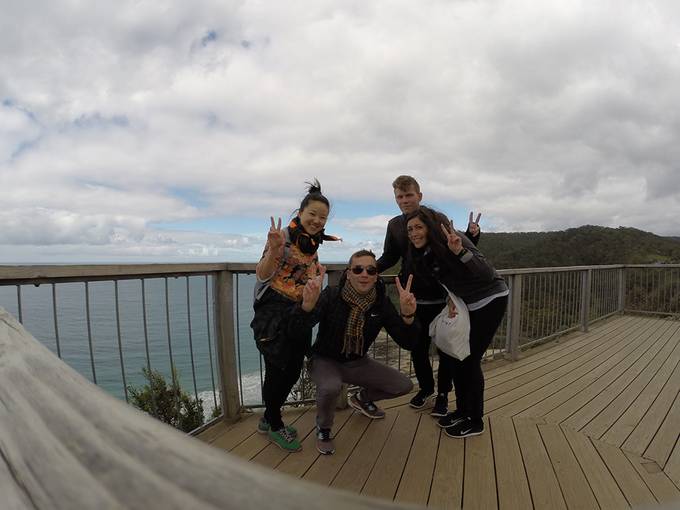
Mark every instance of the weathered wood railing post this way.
pixel 586 280
pixel 223 313
pixel 622 289
pixel 514 317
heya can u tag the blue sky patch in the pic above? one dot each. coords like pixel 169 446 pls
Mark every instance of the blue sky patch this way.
pixel 211 36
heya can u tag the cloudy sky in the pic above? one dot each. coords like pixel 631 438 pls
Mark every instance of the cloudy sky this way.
pixel 169 130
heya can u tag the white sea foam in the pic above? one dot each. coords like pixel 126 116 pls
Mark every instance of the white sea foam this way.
pixel 252 394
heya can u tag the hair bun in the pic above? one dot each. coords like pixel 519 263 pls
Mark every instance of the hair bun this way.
pixel 314 187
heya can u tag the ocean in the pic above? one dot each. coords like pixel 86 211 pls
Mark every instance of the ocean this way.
pixel 190 332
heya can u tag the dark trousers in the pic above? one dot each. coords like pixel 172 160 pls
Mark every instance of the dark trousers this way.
pixel 468 378
pixel 277 386
pixel 377 381
pixel 420 355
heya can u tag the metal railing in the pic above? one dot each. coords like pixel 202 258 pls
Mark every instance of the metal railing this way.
pixel 112 322
pixel 109 322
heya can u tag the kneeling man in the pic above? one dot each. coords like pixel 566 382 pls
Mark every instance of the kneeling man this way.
pixel 350 316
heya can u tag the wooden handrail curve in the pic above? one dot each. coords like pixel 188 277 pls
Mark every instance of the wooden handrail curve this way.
pixel 66 444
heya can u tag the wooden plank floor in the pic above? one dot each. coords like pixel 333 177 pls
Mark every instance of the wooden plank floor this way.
pixel 591 422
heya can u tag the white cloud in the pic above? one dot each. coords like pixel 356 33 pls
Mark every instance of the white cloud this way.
pixel 541 115
pixel 371 225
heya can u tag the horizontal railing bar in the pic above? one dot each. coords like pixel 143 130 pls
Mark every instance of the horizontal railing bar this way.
pixel 80 279
pixel 548 337
pixel 38 275
pixel 605 316
pixel 249 267
pixel 206 425
pixel 17 274
pixel 96 270
pixel 304 402
pixel 652 266
pixel 649 312
pixel 562 269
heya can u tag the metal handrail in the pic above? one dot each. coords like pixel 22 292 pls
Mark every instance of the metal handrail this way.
pixel 544 303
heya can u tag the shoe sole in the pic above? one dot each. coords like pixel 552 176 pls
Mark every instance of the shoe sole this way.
pixel 365 413
pixel 290 450
pixel 325 452
pixel 449 424
pixel 438 415
pixel 413 406
pixel 463 436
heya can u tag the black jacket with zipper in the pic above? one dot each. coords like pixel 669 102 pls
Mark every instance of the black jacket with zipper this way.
pixel 397 247
pixel 332 314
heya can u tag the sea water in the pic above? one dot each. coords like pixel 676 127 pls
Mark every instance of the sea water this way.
pixel 184 328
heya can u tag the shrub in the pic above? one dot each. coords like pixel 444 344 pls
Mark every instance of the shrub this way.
pixel 167 401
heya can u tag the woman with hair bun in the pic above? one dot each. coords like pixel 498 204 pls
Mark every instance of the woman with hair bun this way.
pixel 288 262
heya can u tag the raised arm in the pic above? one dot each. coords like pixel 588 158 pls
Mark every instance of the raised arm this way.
pixel 402 325
pixel 467 253
pixel 273 251
pixel 473 232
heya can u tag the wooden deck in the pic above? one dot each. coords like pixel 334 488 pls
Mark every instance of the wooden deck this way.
pixel 590 422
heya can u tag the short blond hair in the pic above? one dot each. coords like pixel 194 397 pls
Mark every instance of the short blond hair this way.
pixel 404 182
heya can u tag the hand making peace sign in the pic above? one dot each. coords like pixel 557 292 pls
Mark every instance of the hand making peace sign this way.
pixel 453 240
pixel 276 238
pixel 473 226
pixel 407 301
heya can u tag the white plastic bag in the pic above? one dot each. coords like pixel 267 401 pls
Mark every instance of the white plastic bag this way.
pixel 452 334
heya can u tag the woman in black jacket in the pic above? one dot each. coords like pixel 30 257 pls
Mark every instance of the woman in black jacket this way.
pixel 439 252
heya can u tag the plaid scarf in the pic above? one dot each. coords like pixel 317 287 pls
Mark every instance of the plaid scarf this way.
pixel 354 332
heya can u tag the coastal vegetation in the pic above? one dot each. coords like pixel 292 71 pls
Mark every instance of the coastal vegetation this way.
pixel 585 245
pixel 167 401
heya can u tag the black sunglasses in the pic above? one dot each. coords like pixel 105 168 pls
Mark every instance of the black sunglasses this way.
pixel 370 270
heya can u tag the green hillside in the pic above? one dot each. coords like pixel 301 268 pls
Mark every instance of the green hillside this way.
pixel 586 245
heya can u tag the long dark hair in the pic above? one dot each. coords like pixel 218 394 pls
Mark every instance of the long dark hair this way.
pixel 436 241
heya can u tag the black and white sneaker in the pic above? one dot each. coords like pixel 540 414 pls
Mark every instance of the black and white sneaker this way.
pixel 324 442
pixel 451 419
pixel 465 428
pixel 365 407
pixel 441 406
pixel 420 399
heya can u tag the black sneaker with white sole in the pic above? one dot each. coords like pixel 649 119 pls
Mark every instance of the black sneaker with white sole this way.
pixel 420 399
pixel 465 428
pixel 451 419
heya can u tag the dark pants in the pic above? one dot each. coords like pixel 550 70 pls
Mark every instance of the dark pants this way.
pixel 468 378
pixel 420 355
pixel 277 386
pixel 377 381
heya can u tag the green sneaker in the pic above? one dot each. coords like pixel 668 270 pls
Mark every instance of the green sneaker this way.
pixel 284 440
pixel 263 428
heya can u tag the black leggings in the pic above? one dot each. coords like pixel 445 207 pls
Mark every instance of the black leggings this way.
pixel 277 386
pixel 468 378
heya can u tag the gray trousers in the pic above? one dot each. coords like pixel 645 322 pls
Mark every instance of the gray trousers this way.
pixel 378 381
